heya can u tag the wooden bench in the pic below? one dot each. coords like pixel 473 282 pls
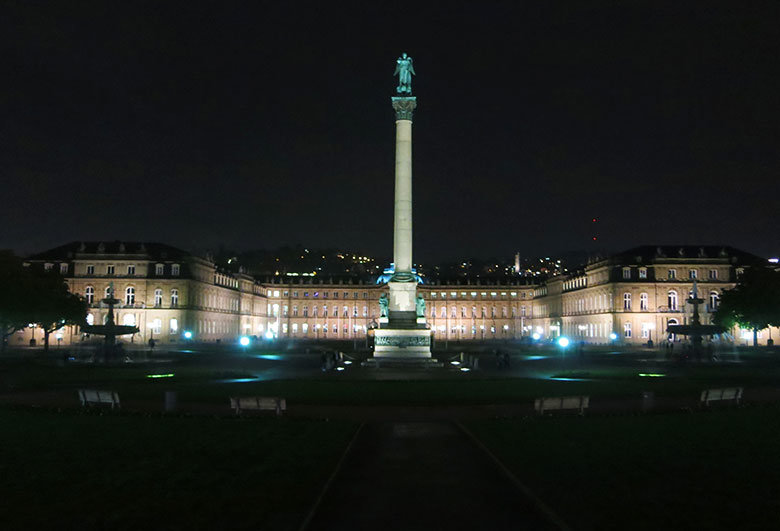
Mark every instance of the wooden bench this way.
pixel 258 403
pixel 562 403
pixel 90 397
pixel 728 394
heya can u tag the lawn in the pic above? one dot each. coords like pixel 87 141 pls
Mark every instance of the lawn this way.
pixel 710 470
pixel 87 471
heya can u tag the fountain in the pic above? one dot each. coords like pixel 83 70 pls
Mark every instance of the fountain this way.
pixel 695 330
pixel 110 330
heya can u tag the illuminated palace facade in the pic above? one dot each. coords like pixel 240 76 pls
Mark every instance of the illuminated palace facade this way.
pixel 166 292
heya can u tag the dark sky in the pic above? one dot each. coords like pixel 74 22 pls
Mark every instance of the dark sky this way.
pixel 257 125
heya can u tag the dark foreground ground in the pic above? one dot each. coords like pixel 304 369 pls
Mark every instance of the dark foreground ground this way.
pixel 411 464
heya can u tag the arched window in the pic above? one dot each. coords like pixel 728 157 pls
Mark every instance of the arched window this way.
pixel 174 297
pixel 672 337
pixel 107 292
pixel 157 297
pixel 672 300
pixel 130 296
pixel 89 294
pixel 643 301
pixel 714 298
pixel 626 301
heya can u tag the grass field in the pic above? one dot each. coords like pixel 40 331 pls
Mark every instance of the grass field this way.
pixel 713 470
pixel 89 471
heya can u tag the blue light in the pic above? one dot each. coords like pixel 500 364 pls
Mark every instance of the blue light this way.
pixel 563 341
pixel 536 336
pixel 187 334
pixel 269 334
pixel 613 336
pixel 244 341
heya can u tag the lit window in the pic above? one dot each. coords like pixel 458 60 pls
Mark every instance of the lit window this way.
pixel 714 299
pixel 626 301
pixel 130 296
pixel 89 294
pixel 645 330
pixel 128 319
pixel 174 297
pixel 642 272
pixel 626 272
pixel 159 269
pixel 174 326
pixel 627 330
pixel 157 326
pixel 672 300
pixel 175 270
pixel 158 297
pixel 643 301
pixel 63 269
pixel 47 267
pixel 276 293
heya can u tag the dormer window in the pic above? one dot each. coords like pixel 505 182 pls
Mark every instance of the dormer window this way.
pixel 175 270
pixel 159 269
pixel 626 273
pixel 642 272
pixel 63 269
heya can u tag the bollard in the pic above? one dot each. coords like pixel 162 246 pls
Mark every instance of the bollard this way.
pixel 170 401
pixel 648 400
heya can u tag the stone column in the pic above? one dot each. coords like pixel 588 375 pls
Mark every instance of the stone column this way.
pixel 402 229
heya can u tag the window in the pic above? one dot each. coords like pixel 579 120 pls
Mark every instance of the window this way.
pixel 128 319
pixel 295 294
pixel 672 274
pixel 714 299
pixel 130 270
pixel 692 274
pixel 295 328
pixel 335 294
pixel 713 274
pixel 627 330
pixel 642 272
pixel 672 300
pixel 175 270
pixel 174 297
pixel 645 330
pixel 305 311
pixel 346 311
pixel 109 270
pixel 626 272
pixel 107 293
pixel 157 326
pixel 130 296
pixel 63 269
pixel 365 311
pixel 174 326
pixel 89 295
pixel 355 295
pixel 626 301
pixel 643 301
pixel 157 298
pixel 305 328
pixel 285 310
pixel 354 311
pixel 90 270
pixel 295 310
pixel 47 267
pixel 159 269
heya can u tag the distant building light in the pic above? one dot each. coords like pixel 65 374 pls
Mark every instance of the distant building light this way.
pixel 774 260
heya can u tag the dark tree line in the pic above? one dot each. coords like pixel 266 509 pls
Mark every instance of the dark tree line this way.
pixel 754 303
pixel 35 296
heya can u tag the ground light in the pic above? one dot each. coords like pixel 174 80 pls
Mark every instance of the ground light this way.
pixel 613 336
pixel 244 341
pixel 536 336
pixel 169 375
pixel 651 375
pixel 269 334
pixel 187 334
pixel 563 342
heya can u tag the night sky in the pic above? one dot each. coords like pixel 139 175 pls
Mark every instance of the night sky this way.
pixel 258 125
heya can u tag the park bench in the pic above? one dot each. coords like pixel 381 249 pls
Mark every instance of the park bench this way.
pixel 90 397
pixel 728 394
pixel 258 403
pixel 562 403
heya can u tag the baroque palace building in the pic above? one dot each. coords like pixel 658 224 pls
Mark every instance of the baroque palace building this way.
pixel 630 297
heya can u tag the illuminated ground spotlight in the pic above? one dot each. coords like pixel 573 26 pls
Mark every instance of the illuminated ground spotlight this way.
pixel 339 368
pixel 613 336
pixel 455 362
pixel 536 336
pixel 563 341
pixel 187 334
pixel 465 369
pixel 347 362
pixel 244 341
pixel 269 334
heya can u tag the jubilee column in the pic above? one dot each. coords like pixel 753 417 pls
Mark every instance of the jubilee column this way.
pixel 403 335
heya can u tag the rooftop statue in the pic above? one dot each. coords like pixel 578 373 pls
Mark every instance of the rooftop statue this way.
pixel 404 69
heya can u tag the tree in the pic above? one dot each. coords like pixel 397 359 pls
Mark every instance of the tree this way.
pixel 54 305
pixel 16 285
pixel 753 304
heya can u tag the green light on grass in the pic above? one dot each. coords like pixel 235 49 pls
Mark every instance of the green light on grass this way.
pixel 169 375
pixel 651 375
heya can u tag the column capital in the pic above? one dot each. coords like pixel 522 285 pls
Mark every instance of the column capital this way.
pixel 404 106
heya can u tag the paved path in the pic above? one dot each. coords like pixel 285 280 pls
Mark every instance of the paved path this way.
pixel 421 475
